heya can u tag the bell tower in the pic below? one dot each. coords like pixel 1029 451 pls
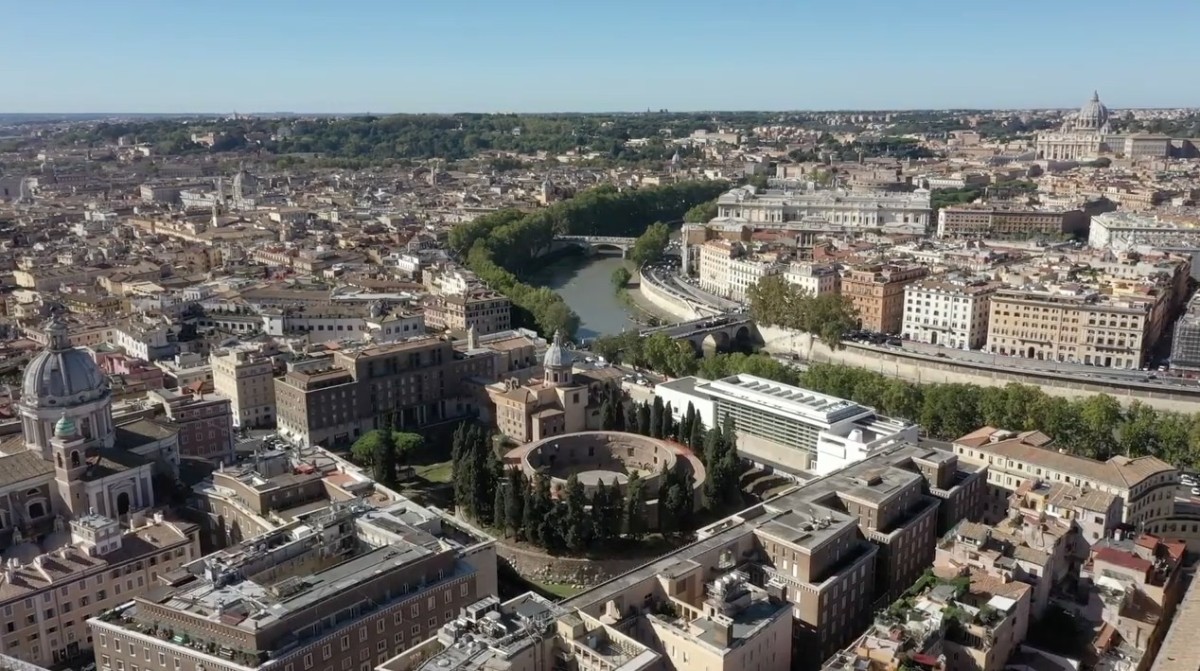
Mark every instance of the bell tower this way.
pixel 68 450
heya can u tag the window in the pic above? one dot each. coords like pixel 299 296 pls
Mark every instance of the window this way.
pixel 345 643
pixel 326 651
pixel 416 630
pixel 308 661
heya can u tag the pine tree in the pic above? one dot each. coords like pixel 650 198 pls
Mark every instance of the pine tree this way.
pixel 696 436
pixel 712 447
pixel 615 512
pixel 606 412
pixel 577 527
pixel 656 412
pixel 685 425
pixel 668 423
pixel 643 419
pixel 634 510
pixel 499 504
pixel 516 488
pixel 631 417
pixel 386 460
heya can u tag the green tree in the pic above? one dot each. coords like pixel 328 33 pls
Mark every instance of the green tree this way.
pixel 634 513
pixel 643 419
pixel 386 461
pixel 621 277
pixel 364 450
pixel 656 420
pixel 516 488
pixel 650 245
pixel 577 524
pixel 702 213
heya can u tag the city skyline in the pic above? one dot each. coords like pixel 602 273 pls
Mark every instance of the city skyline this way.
pixel 535 56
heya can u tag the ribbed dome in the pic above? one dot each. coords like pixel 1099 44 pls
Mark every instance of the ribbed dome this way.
pixel 1093 115
pixel 62 375
pixel 557 356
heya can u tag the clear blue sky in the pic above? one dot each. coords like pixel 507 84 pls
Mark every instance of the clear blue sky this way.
pixel 571 55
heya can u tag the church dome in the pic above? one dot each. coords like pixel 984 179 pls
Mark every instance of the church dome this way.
pixel 62 375
pixel 1093 115
pixel 557 356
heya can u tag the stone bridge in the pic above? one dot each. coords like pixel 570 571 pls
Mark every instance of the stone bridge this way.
pixel 712 334
pixel 597 242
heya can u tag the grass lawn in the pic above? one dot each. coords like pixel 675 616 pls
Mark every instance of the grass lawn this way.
pixel 439 472
pixel 558 589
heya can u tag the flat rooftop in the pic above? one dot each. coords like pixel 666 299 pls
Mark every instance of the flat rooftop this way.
pixel 261 606
pixel 782 399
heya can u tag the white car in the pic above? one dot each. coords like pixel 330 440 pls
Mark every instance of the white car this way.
pixel 1195 491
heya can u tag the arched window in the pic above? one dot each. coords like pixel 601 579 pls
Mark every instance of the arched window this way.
pixel 74 458
pixel 58 458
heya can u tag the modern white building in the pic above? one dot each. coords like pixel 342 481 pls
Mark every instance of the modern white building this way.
pixel 816 279
pixel 789 429
pixel 777 209
pixel 947 311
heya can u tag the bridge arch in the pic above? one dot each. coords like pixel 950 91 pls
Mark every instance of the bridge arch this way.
pixel 610 246
pixel 717 341
pixel 742 338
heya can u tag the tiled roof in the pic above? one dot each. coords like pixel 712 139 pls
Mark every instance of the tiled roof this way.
pixel 22 466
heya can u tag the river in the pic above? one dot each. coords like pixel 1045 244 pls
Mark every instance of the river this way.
pixel 585 283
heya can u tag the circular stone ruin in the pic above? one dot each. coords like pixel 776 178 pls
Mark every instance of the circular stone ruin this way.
pixel 611 457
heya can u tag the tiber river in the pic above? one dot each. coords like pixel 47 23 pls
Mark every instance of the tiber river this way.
pixel 585 283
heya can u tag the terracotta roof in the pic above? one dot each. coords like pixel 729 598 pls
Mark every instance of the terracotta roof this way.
pixel 1030 447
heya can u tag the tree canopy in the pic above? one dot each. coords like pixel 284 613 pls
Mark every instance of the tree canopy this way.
pixel 776 302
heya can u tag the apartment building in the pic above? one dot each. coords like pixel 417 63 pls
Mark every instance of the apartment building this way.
pixel 1134 585
pixel 1077 324
pixel 815 279
pixel 484 310
pixel 204 421
pixel 1122 230
pixel 1145 486
pixel 1185 343
pixel 714 258
pixel 989 221
pixel 518 635
pixel 957 621
pixel 877 293
pixel 406 384
pixel 345 587
pixel 835 545
pixel 786 428
pixel 1019 548
pixel 48 592
pixel 246 376
pixel 947 311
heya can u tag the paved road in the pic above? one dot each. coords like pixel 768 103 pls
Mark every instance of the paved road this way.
pixel 1096 373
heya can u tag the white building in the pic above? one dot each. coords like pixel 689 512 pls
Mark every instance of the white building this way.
pixel 816 279
pixel 726 270
pixel 1127 230
pixel 143 339
pixel 777 209
pixel 948 312
pixel 787 428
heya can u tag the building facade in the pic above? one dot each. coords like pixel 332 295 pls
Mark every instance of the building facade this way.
pixel 853 209
pixel 246 376
pixel 948 312
pixel 787 428
pixel 877 293
pixel 991 222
